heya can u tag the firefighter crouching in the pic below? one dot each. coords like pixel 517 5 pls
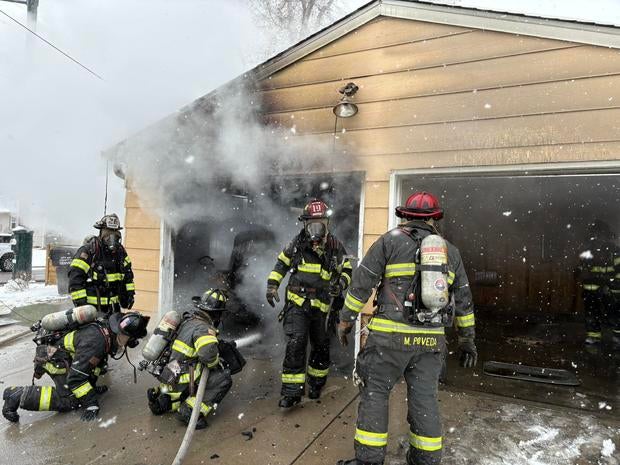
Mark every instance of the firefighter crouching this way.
pixel 74 359
pixel 405 336
pixel 599 273
pixel 100 273
pixel 189 344
pixel 314 257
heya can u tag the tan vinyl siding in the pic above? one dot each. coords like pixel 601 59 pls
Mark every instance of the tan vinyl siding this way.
pixel 142 241
pixel 436 96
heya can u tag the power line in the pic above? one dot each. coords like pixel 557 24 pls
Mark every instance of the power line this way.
pixel 52 45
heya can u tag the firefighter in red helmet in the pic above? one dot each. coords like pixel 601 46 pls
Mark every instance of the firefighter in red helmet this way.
pixel 406 334
pixel 319 271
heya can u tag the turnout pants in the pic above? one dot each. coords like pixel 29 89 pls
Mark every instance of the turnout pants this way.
pixel 166 398
pixel 47 398
pixel 300 325
pixel 600 309
pixel 380 368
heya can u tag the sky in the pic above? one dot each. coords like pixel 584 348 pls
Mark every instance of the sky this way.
pixel 154 56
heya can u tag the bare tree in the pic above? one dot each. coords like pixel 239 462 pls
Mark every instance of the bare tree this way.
pixel 292 20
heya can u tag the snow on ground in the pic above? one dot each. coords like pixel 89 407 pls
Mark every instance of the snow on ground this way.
pixel 13 295
pixel 520 435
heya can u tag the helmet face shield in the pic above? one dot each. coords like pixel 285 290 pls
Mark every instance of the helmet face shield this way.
pixel 111 239
pixel 316 229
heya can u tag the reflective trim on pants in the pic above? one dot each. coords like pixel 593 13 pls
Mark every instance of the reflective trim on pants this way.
pixel 291 378
pixel 46 398
pixel 368 438
pixel 318 373
pixel 424 442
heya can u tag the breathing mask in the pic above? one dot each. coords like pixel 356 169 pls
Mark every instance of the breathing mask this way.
pixel 316 230
pixel 111 239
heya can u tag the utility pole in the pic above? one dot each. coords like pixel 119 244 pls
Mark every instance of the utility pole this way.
pixel 31 6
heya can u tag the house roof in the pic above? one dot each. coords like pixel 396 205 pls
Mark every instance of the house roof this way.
pixel 557 29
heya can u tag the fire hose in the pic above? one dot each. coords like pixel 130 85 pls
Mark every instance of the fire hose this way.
pixel 191 427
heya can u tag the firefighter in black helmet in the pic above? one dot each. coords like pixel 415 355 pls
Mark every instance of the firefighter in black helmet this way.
pixel 194 348
pixel 100 273
pixel 74 360
pixel 319 271
pixel 406 338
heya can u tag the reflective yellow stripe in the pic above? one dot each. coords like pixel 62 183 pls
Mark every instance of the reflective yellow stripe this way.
pixel 294 378
pixel 68 342
pixel 602 269
pixel 274 275
pixel 81 294
pixel 318 373
pixel 591 287
pixel 130 286
pixel 97 371
pixel 347 265
pixel 203 341
pixel 175 406
pixel 92 299
pixel 53 369
pixel 424 442
pixel 113 277
pixel 184 379
pixel 347 278
pixel 465 321
pixel 46 398
pixel 594 334
pixel 127 261
pixel 451 277
pixel 183 348
pixel 204 408
pixel 316 303
pixel 399 269
pixel 389 326
pixel 326 275
pixel 309 267
pixel 81 264
pixel 81 391
pixel 296 299
pixel 353 304
pixel 214 363
pixel 284 259
pixel 368 438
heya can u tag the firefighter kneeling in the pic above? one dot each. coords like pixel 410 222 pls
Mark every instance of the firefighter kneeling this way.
pixel 406 334
pixel 178 352
pixel 74 359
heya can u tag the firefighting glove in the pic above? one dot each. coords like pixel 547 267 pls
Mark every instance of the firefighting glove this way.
pixel 335 289
pixel 468 355
pixel 272 294
pixel 130 301
pixel 91 411
pixel 344 328
pixel 101 389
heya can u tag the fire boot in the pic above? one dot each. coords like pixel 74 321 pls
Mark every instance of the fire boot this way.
pixel 185 413
pixel 289 401
pixel 314 392
pixel 12 397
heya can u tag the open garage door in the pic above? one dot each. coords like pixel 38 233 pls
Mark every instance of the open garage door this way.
pixel 521 234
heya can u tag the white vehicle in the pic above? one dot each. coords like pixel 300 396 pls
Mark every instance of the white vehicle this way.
pixel 6 252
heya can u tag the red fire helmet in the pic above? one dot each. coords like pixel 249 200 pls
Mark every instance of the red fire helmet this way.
pixel 315 209
pixel 420 205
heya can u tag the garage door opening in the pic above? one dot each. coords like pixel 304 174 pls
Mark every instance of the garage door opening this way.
pixel 521 235
pixel 233 244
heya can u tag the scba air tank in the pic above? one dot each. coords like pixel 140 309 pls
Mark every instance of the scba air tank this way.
pixel 434 261
pixel 69 318
pixel 161 336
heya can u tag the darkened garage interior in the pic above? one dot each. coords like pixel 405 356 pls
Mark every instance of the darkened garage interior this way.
pixel 236 236
pixel 520 235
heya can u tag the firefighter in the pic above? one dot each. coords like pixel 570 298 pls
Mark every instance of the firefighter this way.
pixel 404 338
pixel 100 273
pixel 599 272
pixel 76 361
pixel 320 272
pixel 195 347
